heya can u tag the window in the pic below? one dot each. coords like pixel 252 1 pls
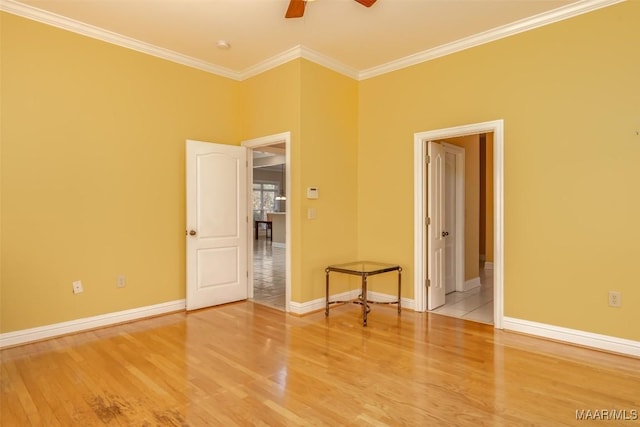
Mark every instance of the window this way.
pixel 264 199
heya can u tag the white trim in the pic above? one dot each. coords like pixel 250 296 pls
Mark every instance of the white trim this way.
pixel 270 63
pixel 419 150
pixel 296 52
pixel 320 303
pixel 546 18
pixel 49 331
pixel 419 224
pixel 488 265
pixel 574 336
pixel 407 303
pixel 284 137
pixel 302 308
pixel 330 63
pixel 97 33
pixel 278 245
pixel 471 284
pixel 530 23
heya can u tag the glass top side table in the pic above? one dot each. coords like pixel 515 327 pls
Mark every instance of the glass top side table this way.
pixel 364 269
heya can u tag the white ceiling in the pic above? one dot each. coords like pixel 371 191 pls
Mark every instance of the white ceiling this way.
pixel 355 39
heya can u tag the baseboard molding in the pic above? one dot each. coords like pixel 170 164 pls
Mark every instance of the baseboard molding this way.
pixel 573 336
pixel 471 284
pixel 488 265
pixel 319 304
pixel 24 336
pixel 278 245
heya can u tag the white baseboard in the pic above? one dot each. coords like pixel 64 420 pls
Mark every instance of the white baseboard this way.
pixel 49 331
pixel 471 284
pixel 488 265
pixel 587 339
pixel 278 245
pixel 319 304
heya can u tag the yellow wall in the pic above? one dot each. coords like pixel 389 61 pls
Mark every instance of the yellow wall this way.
pixel 319 107
pixel 328 161
pixel 271 105
pixel 568 94
pixel 92 168
pixel 93 141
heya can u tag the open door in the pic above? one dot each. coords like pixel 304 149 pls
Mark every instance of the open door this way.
pixel 216 224
pixel 437 234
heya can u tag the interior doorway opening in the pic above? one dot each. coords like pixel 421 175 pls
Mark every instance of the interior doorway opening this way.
pixel 269 220
pixel 424 283
pixel 468 215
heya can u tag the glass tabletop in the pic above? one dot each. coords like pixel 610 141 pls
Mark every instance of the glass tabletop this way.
pixel 362 267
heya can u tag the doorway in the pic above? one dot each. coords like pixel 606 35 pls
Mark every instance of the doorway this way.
pixel 421 220
pixel 472 296
pixel 269 222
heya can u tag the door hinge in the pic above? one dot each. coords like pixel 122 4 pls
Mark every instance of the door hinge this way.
pixel 427 159
pixel 427 221
pixel 427 283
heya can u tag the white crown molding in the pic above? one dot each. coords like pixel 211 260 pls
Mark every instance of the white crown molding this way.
pixel 270 63
pixel 330 63
pixel 295 53
pixel 299 51
pixel 574 336
pixel 24 336
pixel 78 27
pixel 488 36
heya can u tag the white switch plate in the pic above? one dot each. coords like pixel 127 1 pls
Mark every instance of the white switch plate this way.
pixel 311 213
pixel 122 281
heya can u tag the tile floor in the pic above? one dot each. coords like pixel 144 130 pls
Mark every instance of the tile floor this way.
pixel 476 304
pixel 268 273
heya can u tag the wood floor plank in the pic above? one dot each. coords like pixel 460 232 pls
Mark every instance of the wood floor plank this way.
pixel 246 364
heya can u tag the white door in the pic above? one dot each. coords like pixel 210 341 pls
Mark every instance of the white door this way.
pixel 450 221
pixel 436 229
pixel 216 224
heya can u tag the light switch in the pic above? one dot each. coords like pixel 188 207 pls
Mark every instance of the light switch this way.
pixel 311 213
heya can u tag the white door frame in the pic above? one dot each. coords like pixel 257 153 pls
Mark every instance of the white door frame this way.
pixel 252 144
pixel 420 170
pixel 459 153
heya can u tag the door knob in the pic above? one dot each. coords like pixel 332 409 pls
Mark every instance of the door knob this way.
pixel 192 232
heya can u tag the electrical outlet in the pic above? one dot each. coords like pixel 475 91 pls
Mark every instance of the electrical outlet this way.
pixel 122 281
pixel 615 299
pixel 77 287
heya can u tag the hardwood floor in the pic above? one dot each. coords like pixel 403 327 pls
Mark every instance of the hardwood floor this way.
pixel 247 364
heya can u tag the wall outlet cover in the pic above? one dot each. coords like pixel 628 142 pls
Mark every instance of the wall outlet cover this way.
pixel 77 287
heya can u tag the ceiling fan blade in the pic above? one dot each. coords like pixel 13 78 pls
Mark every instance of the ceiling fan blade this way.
pixel 295 9
pixel 367 3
